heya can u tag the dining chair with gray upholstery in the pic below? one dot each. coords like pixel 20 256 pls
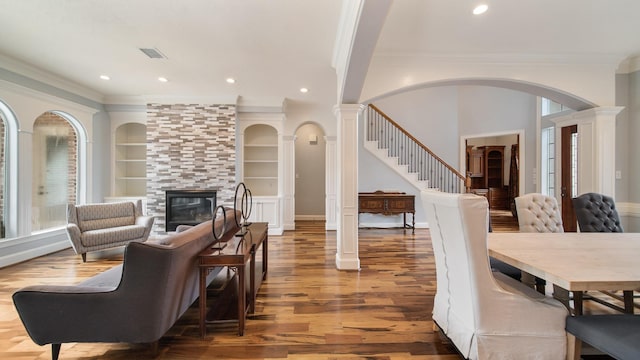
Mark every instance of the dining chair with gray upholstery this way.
pixel 597 213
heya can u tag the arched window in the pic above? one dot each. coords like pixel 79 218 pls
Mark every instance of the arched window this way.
pixel 55 170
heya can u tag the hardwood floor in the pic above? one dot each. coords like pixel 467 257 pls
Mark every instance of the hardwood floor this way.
pixel 306 309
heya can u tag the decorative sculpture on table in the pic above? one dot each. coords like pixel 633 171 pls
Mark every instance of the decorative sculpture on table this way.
pixel 219 245
pixel 243 200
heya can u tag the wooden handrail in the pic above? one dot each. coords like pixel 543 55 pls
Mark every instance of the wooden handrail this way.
pixel 424 147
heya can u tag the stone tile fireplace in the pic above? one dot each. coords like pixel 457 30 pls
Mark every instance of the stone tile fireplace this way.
pixel 189 147
pixel 188 207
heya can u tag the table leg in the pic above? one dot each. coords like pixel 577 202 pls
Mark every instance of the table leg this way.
pixel 413 223
pixel 628 301
pixel 252 282
pixel 404 222
pixel 577 302
pixel 203 301
pixel 561 295
pixel 242 298
pixel 265 256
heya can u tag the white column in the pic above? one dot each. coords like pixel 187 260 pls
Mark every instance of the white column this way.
pixel 596 148
pixel 289 179
pixel 22 222
pixel 347 231
pixel 331 183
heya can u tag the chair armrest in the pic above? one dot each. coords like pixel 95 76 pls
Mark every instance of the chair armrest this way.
pixel 61 314
pixel 146 221
pixel 75 235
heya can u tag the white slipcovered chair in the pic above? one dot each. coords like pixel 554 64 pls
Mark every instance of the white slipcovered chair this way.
pixel 486 315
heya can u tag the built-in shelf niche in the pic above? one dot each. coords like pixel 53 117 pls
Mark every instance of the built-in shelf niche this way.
pixel 130 160
pixel 261 160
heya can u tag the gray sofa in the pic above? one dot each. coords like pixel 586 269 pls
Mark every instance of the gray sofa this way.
pixel 101 226
pixel 135 302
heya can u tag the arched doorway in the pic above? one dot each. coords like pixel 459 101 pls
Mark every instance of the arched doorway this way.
pixel 310 150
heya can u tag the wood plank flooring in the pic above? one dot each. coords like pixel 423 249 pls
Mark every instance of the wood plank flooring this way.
pixel 306 309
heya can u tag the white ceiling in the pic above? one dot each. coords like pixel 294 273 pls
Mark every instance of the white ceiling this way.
pixel 275 47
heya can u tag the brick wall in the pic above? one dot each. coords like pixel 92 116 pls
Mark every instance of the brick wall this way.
pixel 189 147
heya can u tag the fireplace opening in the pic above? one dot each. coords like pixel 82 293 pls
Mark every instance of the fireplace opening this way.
pixel 188 207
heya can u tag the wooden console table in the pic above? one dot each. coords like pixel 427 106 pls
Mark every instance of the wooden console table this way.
pixel 389 203
pixel 235 253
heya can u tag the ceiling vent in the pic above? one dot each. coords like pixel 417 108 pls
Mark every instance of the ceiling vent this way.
pixel 153 53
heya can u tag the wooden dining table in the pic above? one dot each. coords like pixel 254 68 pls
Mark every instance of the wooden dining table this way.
pixel 575 262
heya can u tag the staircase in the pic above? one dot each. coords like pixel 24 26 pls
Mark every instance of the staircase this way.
pixel 394 146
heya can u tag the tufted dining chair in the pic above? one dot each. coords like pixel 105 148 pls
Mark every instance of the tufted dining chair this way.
pixel 485 314
pixel 538 213
pixel 596 213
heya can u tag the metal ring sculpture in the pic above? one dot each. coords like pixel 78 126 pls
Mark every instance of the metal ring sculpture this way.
pixel 246 204
pixel 223 228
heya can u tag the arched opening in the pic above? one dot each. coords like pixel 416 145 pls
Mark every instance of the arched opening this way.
pixel 310 174
pixel 55 170
pixel 261 160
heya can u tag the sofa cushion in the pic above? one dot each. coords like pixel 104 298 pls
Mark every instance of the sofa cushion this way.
pixel 112 235
pixel 202 229
pixel 101 216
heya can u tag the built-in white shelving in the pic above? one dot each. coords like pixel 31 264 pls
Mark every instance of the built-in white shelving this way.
pixel 130 160
pixel 261 160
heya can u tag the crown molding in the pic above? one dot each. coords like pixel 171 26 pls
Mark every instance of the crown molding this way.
pixel 506 58
pixel 30 76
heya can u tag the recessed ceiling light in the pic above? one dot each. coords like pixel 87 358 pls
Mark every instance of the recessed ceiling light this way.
pixel 105 77
pixel 163 79
pixel 304 90
pixel 231 80
pixel 480 9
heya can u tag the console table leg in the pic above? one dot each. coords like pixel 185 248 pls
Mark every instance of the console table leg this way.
pixel 203 301
pixel 242 302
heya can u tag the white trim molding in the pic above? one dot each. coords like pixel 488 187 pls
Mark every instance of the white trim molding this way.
pixel 628 209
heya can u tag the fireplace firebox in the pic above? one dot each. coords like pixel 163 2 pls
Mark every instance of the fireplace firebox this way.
pixel 188 207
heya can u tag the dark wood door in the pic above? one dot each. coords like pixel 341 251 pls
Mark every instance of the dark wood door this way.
pixel 569 153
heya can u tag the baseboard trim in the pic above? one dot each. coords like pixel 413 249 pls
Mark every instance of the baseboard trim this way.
pixel 310 218
pixel 390 225
pixel 26 248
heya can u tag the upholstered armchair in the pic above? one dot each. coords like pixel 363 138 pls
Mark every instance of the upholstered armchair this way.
pixel 93 227
pixel 596 213
pixel 484 315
